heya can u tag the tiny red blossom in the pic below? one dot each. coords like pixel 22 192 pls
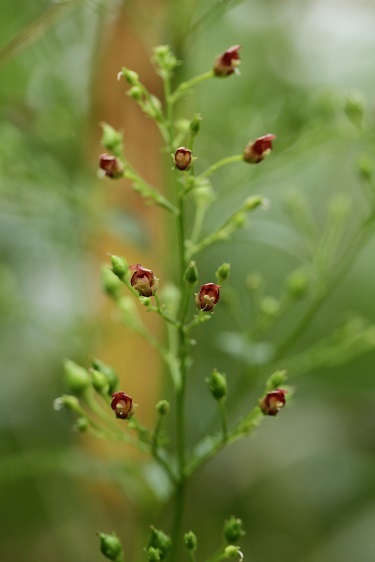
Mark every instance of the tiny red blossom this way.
pixel 226 63
pixel 112 167
pixel 182 158
pixel 256 151
pixel 122 404
pixel 272 402
pixel 208 296
pixel 143 280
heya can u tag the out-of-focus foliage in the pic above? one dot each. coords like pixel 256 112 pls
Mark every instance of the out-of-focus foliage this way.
pixel 304 484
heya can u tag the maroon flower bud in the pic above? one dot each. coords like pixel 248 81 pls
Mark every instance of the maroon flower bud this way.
pixel 122 404
pixel 208 296
pixel 272 402
pixel 143 280
pixel 111 166
pixel 256 151
pixel 227 63
pixel 182 158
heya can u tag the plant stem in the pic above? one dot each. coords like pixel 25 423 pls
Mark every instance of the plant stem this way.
pixel 220 163
pixel 183 88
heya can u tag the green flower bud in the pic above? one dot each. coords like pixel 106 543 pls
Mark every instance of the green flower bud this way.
pixel 195 124
pixel 253 202
pixel 233 530
pixel 365 168
pixel 165 59
pixel 297 283
pixel 217 385
pixel 76 378
pixel 191 541
pixel 119 266
pixel 162 407
pixel 81 425
pixel 136 93
pixel 130 76
pixel 254 282
pixel 159 541
pixel 269 306
pixel 108 372
pixel 276 380
pixel 67 401
pixel 110 545
pixel 354 110
pixel 223 272
pixel 239 219
pixel 191 274
pixel 99 381
pixel 110 282
pixel 112 139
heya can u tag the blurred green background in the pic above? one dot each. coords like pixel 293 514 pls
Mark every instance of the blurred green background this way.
pixel 304 484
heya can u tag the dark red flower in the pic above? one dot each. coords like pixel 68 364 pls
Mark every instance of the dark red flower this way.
pixel 122 404
pixel 227 63
pixel 256 151
pixel 208 296
pixel 182 158
pixel 143 280
pixel 272 402
pixel 112 167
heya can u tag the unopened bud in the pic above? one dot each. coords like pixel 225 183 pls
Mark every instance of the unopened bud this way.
pixel 108 372
pixel 130 76
pixel 272 402
pixel 297 283
pixel 223 272
pixel 99 381
pixel 111 166
pixel 110 282
pixel 233 530
pixel 254 282
pixel 365 168
pixel 354 110
pixel 217 385
pixel 269 306
pixel 67 401
pixel 153 554
pixel 81 425
pixel 256 151
pixel 191 274
pixel 191 541
pixel 136 93
pixel 110 545
pixel 76 378
pixel 111 139
pixel 253 202
pixel 119 266
pixel 122 404
pixel 162 407
pixel 232 551
pixel 195 124
pixel 277 379
pixel 143 280
pixel 227 63
pixel 182 158
pixel 159 541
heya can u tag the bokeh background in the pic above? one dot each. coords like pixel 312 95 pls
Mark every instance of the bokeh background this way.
pixel 304 483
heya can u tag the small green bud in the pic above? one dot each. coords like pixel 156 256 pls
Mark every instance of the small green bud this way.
pixel 112 139
pixel 239 219
pixel 108 372
pixel 162 407
pixel 297 283
pixel 233 551
pixel 99 381
pixel 136 93
pixel 160 541
pixel 217 385
pixel 195 124
pixel 119 266
pixel 354 110
pixel 76 378
pixel 130 76
pixel 153 554
pixel 110 545
pixel 233 529
pixel 191 274
pixel 269 306
pixel 223 273
pixel 365 168
pixel 165 60
pixel 81 425
pixel 253 202
pixel 276 380
pixel 191 541
pixel 110 282
pixel 254 282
